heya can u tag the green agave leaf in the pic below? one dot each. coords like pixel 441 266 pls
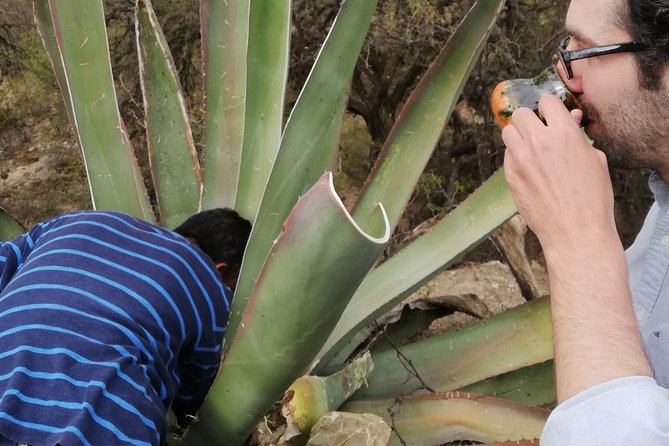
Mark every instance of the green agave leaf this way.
pixel 48 35
pixel 268 58
pixel 508 341
pixel 438 418
pixel 225 34
pixel 385 334
pixel 532 385
pixel 412 323
pixel 81 39
pixel 310 141
pixel 312 270
pixel 416 132
pixel 422 259
pixel 174 164
pixel 9 228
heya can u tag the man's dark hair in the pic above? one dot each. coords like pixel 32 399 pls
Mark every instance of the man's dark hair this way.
pixel 648 22
pixel 221 233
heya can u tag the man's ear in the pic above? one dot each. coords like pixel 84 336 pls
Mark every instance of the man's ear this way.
pixel 228 275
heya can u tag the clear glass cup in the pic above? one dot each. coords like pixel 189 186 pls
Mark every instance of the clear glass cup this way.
pixel 513 94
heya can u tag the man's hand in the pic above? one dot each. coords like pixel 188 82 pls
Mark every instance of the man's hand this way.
pixel 559 182
pixel 562 188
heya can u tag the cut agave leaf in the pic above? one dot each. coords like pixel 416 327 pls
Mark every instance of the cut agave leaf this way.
pixel 311 397
pixel 419 261
pixel 438 418
pixel 310 274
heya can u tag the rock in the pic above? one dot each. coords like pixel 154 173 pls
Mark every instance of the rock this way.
pixel 350 429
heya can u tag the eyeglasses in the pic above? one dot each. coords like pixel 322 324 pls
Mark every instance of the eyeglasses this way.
pixel 568 56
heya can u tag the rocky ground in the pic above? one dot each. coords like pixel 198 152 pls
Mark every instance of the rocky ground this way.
pixel 491 283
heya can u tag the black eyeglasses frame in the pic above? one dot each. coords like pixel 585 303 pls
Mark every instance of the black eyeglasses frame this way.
pixel 567 57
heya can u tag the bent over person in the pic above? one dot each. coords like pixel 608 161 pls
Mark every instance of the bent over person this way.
pixel 107 321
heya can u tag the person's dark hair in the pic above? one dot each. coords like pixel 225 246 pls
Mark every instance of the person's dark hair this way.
pixel 648 22
pixel 221 233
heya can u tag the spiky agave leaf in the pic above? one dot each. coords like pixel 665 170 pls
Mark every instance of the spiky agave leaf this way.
pixel 174 165
pixel 224 28
pixel 310 141
pixel 77 31
pixel 311 272
pixel 268 58
pixel 420 123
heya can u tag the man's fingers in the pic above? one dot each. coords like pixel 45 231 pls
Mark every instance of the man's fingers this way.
pixel 524 120
pixel 511 137
pixel 577 114
pixel 553 111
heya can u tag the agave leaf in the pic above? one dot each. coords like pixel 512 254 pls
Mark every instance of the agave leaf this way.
pixel 422 259
pixel 532 385
pixel 396 327
pixel 310 141
pixel 81 39
pixel 355 341
pixel 416 132
pixel 48 35
pixel 9 228
pixel 438 418
pixel 508 341
pixel 311 272
pixel 268 58
pixel 174 165
pixel 225 30
pixel 311 397
pixel 409 322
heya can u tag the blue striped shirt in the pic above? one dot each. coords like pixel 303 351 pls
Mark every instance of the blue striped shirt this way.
pixel 106 321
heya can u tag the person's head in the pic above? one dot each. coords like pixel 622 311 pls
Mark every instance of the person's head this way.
pixel 222 235
pixel 624 95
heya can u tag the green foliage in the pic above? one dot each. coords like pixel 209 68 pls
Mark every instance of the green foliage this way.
pixel 25 100
pixel 353 163
pixel 431 186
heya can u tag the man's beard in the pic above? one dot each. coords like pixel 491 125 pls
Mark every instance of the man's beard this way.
pixel 633 131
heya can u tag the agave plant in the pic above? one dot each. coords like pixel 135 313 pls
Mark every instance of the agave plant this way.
pixel 309 287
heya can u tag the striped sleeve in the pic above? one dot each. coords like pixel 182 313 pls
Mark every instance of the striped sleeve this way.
pixel 198 371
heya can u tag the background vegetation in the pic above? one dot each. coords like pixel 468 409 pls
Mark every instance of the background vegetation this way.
pixel 35 137
pixel 404 37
